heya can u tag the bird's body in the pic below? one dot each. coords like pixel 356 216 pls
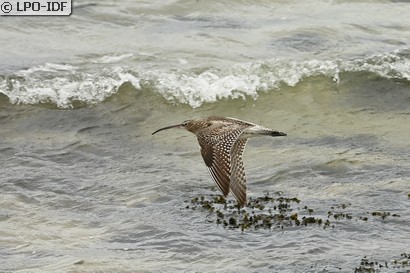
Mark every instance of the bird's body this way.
pixel 222 141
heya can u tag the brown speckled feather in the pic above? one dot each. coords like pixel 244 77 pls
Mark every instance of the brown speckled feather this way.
pixel 222 141
pixel 238 178
pixel 218 165
pixel 216 152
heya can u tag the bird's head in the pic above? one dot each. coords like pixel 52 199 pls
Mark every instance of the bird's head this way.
pixel 190 125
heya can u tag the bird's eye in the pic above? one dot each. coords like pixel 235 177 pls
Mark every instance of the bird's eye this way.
pixel 185 123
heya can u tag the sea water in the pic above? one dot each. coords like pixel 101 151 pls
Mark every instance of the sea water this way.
pixel 85 187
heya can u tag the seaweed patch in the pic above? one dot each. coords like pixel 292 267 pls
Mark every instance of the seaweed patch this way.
pixel 275 212
pixel 373 266
pixel 266 212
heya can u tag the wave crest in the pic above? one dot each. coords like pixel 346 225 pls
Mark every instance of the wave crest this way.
pixel 64 84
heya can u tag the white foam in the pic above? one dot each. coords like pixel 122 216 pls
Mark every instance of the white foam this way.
pixel 241 81
pixel 62 84
pixel 113 58
pixel 392 66
pixel 43 84
pixel 47 67
pixel 249 79
pixel 205 87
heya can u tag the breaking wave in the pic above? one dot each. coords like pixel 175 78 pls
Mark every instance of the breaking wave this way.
pixel 63 84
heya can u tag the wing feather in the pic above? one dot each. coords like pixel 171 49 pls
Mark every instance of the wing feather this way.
pixel 218 165
pixel 216 150
pixel 238 177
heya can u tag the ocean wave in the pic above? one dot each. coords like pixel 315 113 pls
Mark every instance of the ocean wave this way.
pixel 63 84
pixel 239 81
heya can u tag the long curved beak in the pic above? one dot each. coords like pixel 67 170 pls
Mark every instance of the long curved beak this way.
pixel 168 127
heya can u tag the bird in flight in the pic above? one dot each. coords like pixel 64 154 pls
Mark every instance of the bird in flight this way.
pixel 222 141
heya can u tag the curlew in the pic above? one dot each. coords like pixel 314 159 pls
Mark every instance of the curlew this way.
pixel 222 141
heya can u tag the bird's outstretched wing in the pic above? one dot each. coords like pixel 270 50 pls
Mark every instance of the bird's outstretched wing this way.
pixel 216 149
pixel 218 162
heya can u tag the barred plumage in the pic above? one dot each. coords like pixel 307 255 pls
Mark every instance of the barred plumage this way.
pixel 222 141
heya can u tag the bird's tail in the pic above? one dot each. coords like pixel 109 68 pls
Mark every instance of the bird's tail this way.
pixel 276 133
pixel 261 131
